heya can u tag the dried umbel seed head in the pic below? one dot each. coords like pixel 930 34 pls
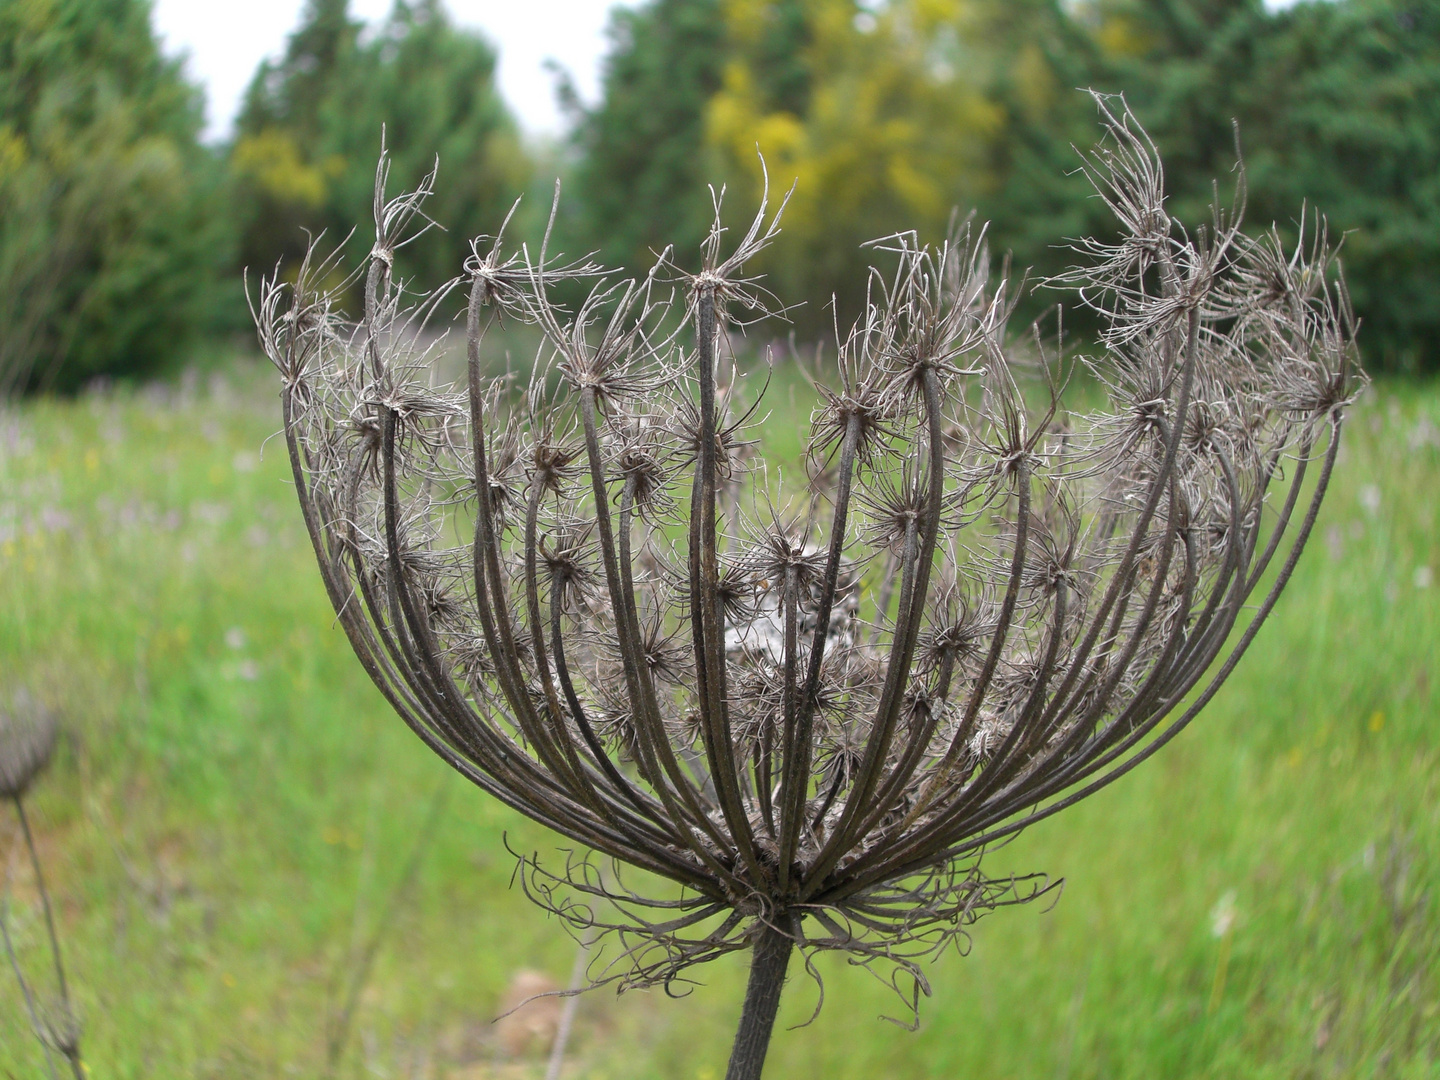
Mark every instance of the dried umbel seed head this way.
pixel 814 719
pixel 27 739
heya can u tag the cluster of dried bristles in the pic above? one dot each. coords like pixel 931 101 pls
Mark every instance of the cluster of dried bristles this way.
pixel 813 709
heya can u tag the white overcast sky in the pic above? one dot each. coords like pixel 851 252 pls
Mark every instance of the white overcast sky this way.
pixel 225 41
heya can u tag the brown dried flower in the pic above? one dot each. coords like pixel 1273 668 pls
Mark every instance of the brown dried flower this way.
pixel 27 739
pixel 816 732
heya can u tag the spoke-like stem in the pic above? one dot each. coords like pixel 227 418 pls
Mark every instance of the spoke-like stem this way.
pixel 656 755
pixel 587 730
pixel 707 627
pixel 556 715
pixel 796 780
pixel 861 812
pixel 988 832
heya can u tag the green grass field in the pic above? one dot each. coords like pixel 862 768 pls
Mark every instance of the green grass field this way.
pixel 232 804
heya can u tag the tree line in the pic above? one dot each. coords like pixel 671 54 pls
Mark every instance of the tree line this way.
pixel 122 236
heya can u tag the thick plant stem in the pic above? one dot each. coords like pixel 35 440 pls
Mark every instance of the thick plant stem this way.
pixel 768 962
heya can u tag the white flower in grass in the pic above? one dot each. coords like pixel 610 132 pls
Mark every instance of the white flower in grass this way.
pixel 1222 915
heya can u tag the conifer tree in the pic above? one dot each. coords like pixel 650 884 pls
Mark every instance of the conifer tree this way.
pixel 109 245
pixel 312 125
pixel 641 177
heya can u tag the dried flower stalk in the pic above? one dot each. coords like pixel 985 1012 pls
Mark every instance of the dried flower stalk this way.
pixel 28 732
pixel 813 716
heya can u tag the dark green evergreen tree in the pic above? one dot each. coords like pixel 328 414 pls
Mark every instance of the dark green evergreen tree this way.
pixel 1341 107
pixel 779 59
pixel 433 87
pixel 310 134
pixel 1338 107
pixel 1034 54
pixel 283 175
pixel 1337 101
pixel 291 92
pixel 110 238
pixel 640 181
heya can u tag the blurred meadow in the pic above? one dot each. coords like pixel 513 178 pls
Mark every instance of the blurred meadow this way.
pixel 259 871
pixel 233 806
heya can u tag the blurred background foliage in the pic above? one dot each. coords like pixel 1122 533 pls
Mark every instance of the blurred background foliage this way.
pixel 309 135
pixel 890 115
pixel 112 246
pixel 122 236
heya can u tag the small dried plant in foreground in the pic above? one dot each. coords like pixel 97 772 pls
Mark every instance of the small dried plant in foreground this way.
pixel 27 741
pixel 812 716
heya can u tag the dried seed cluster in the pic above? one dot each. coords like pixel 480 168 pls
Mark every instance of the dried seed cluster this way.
pixel 814 714
pixel 27 740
